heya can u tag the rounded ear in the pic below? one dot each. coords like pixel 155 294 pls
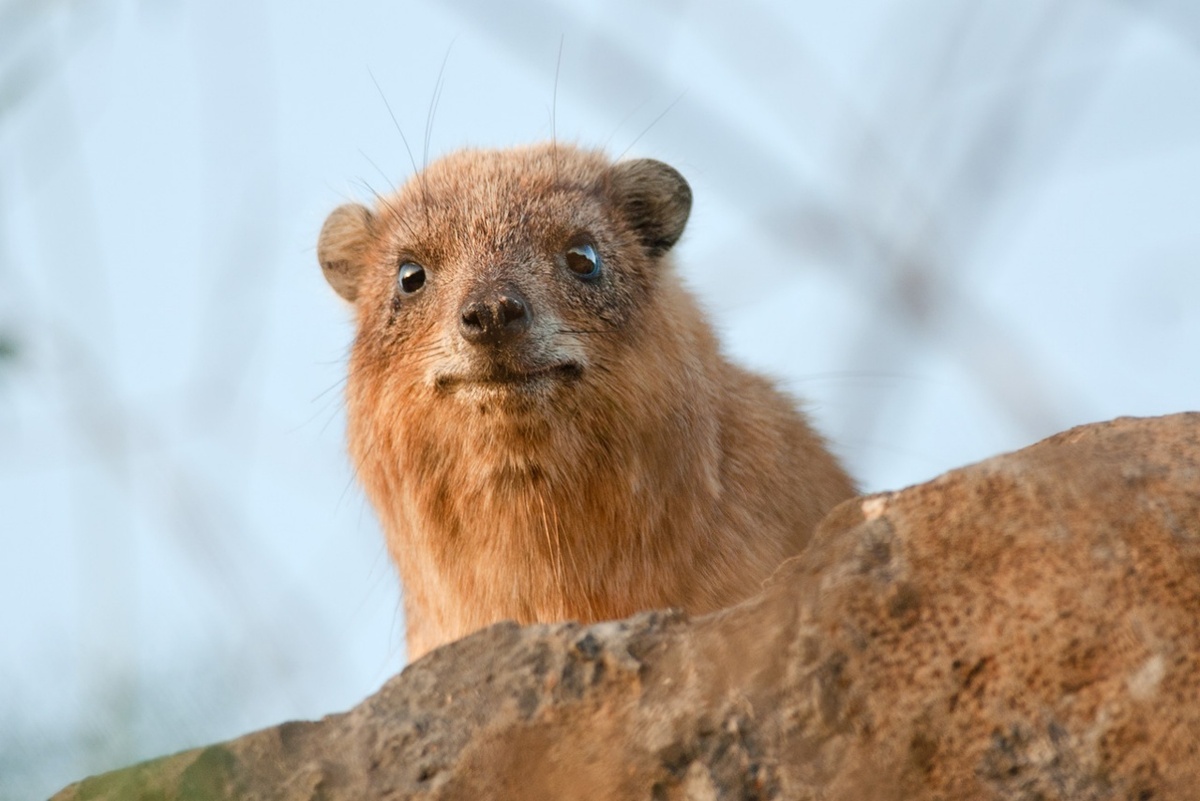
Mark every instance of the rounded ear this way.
pixel 656 200
pixel 343 245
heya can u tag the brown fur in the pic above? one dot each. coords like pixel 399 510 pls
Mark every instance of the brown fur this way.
pixel 649 472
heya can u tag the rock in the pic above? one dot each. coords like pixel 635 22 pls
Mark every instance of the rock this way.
pixel 1024 628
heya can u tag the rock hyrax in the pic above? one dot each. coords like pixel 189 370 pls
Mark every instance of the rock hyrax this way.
pixel 540 412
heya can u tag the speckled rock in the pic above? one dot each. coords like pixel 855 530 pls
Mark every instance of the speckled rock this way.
pixel 1024 628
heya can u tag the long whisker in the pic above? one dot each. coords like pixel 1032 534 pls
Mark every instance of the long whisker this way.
pixel 554 110
pixel 584 331
pixel 621 124
pixel 387 201
pixel 433 104
pixel 414 358
pixel 653 122
pixel 419 173
pixel 396 122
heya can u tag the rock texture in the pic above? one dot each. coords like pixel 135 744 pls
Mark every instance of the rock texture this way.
pixel 1024 628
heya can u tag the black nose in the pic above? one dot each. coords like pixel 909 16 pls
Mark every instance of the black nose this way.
pixel 492 316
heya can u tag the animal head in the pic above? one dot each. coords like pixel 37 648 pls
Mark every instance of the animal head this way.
pixel 489 276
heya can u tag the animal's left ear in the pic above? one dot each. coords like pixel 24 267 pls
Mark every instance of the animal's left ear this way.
pixel 655 198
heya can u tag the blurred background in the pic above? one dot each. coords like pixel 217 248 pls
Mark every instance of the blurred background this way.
pixel 952 228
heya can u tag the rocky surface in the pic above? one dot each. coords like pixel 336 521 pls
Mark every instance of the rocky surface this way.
pixel 1024 628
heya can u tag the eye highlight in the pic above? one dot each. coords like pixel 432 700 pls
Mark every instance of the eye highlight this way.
pixel 584 261
pixel 411 277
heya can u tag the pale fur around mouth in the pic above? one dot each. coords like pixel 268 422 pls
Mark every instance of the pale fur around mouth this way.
pixel 505 378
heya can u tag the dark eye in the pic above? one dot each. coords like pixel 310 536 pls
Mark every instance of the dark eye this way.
pixel 584 261
pixel 412 277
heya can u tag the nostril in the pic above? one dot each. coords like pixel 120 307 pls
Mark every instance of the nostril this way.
pixel 511 310
pixel 475 322
pixel 470 317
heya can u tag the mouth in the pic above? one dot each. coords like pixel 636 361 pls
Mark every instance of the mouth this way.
pixel 505 377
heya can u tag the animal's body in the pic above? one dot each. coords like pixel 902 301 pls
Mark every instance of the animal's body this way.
pixel 539 411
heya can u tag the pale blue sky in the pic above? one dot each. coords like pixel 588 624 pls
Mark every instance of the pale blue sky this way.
pixel 187 556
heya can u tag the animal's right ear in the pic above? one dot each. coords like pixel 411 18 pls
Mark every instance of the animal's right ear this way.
pixel 343 247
